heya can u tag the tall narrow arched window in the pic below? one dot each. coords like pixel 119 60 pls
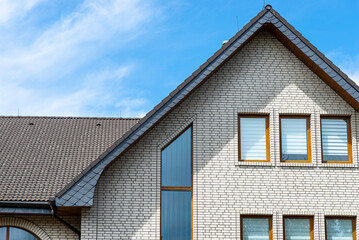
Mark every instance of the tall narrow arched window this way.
pixel 176 188
pixel 15 233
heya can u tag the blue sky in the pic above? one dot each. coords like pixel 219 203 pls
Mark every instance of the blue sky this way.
pixel 121 57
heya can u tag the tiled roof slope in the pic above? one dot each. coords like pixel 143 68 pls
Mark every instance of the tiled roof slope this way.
pixel 80 191
pixel 40 155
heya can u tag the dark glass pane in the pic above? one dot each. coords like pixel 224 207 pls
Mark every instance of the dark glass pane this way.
pixel 297 228
pixel 339 229
pixel 294 139
pixel 335 140
pixel 176 215
pixel 176 162
pixel 19 234
pixel 255 228
pixel 3 233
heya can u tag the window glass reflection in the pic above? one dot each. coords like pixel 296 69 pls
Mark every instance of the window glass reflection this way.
pixel 176 215
pixel 255 228
pixel 253 139
pixel 176 162
pixel 339 229
pixel 297 228
pixel 2 233
pixel 335 140
pixel 294 139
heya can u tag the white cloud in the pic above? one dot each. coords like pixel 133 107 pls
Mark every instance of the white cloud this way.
pixel 349 64
pixel 12 9
pixel 94 92
pixel 32 72
pixel 95 98
pixel 93 95
pixel 355 76
pixel 131 107
pixel 93 25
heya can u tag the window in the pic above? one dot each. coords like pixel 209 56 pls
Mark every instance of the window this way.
pixel 256 227
pixel 295 139
pixel 13 233
pixel 253 138
pixel 176 188
pixel 340 228
pixel 298 228
pixel 336 140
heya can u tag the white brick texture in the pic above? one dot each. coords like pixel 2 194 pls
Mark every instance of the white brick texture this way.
pixel 263 77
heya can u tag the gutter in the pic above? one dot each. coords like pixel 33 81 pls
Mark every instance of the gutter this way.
pixel 53 208
pixel 19 207
pixel 20 204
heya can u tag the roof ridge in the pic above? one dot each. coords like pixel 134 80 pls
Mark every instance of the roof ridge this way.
pixel 64 117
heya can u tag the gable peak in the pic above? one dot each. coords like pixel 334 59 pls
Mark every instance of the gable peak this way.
pixel 268 7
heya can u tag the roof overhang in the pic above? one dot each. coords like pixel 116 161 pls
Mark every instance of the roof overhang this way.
pixel 36 211
pixel 17 207
pixel 80 191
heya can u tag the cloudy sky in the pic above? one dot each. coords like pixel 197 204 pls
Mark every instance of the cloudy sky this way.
pixel 121 57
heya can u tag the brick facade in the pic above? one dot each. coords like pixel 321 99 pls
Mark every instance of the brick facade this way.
pixel 263 77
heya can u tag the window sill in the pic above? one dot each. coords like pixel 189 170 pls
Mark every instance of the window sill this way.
pixel 338 165
pixel 244 163
pixel 296 164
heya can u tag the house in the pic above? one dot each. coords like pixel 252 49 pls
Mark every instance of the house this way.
pixel 259 143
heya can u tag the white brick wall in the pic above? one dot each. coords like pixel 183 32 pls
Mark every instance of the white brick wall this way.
pixel 263 77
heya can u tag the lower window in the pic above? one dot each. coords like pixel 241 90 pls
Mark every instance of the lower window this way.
pixel 340 228
pixel 176 215
pixel 298 228
pixel 256 227
pixel 13 233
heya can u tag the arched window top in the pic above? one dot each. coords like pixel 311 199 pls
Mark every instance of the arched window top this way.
pixel 16 233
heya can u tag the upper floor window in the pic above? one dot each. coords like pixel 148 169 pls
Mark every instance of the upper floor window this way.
pixel 256 227
pixel 340 228
pixel 298 228
pixel 176 188
pixel 14 233
pixel 336 140
pixel 295 139
pixel 253 138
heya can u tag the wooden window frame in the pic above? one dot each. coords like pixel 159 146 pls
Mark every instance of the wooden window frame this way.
pixel 342 218
pixel 311 218
pixel 187 189
pixel 309 145
pixel 266 116
pixel 269 217
pixel 349 137
pixel 10 226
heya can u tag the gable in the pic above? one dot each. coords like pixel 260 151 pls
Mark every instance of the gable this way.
pixel 81 191
pixel 265 74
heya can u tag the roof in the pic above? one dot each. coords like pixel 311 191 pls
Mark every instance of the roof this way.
pixel 40 155
pixel 80 191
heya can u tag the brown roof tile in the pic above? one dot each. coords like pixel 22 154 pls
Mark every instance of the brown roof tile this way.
pixel 39 156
